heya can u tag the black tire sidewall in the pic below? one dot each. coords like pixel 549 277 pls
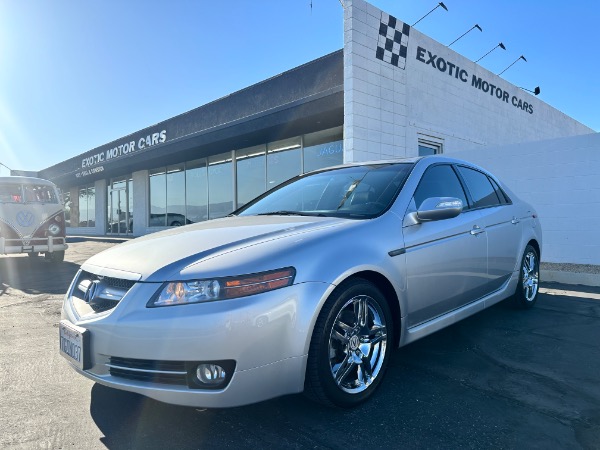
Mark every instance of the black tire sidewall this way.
pixel 330 311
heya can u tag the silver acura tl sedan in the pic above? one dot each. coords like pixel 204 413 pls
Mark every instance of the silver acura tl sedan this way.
pixel 306 288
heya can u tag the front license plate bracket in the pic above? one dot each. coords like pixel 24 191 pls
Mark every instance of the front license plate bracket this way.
pixel 74 344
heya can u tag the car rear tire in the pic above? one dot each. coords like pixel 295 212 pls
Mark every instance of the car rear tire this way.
pixel 529 279
pixel 350 345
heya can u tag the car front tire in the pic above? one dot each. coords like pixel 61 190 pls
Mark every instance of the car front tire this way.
pixel 350 346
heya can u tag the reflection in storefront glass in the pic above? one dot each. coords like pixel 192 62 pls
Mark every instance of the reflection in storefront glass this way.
pixel 220 185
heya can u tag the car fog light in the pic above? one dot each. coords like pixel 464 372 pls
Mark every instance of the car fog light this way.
pixel 210 374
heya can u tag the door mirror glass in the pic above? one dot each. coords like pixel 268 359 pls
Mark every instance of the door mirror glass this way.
pixel 439 208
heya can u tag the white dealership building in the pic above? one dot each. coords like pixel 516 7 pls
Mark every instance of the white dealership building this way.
pixel 390 92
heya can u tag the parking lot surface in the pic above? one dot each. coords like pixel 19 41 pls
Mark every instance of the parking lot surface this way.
pixel 501 379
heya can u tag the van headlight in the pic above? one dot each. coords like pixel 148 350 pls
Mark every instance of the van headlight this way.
pixel 198 291
pixel 53 229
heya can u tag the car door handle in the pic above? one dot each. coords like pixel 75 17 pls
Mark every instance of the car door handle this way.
pixel 476 230
pixel 515 221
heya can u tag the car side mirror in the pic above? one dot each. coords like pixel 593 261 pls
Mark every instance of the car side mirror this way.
pixel 439 208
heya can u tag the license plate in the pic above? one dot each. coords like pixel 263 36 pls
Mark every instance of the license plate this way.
pixel 74 344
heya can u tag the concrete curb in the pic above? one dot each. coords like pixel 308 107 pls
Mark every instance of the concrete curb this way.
pixel 564 277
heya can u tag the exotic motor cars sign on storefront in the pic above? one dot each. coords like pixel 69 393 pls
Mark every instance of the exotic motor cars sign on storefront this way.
pixel 459 73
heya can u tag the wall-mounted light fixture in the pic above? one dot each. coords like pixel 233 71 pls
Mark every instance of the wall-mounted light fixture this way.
pixel 536 91
pixel 501 45
pixel 437 6
pixel 520 57
pixel 470 29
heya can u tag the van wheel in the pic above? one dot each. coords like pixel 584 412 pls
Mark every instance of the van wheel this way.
pixel 56 257
pixel 350 346
pixel 529 279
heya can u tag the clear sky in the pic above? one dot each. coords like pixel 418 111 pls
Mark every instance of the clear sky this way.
pixel 76 74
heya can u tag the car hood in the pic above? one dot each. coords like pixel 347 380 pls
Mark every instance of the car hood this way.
pixel 153 257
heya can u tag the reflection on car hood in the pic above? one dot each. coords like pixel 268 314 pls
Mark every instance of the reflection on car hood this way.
pixel 191 243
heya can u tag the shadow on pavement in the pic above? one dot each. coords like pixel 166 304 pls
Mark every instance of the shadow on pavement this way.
pixel 35 275
pixel 488 381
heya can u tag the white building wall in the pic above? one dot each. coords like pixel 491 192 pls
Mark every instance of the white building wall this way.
pixel 387 108
pixel 561 179
pixel 374 91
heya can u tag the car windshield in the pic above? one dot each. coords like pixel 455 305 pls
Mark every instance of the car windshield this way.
pixel 358 192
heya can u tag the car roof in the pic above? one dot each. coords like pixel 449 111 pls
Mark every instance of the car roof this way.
pixel 431 159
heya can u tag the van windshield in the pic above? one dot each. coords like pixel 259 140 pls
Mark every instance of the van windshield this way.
pixel 11 193
pixel 28 193
pixel 39 193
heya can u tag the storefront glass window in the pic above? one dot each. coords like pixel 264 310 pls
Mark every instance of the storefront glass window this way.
pixel 220 185
pixel 87 207
pixel 284 161
pixel 196 186
pixel 158 198
pixel 323 149
pixel 176 196
pixel 251 173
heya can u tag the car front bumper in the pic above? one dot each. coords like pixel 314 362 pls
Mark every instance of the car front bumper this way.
pixel 266 335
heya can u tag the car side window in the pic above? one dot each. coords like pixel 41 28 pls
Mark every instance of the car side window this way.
pixel 500 193
pixel 480 187
pixel 439 181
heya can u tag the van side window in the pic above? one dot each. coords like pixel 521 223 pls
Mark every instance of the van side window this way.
pixel 10 193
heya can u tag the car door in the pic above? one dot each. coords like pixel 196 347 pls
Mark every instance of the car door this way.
pixel 501 223
pixel 447 259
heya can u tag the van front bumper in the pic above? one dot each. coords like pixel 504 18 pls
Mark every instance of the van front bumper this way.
pixel 36 245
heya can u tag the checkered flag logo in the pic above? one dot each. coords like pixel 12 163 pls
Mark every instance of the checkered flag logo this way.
pixel 392 44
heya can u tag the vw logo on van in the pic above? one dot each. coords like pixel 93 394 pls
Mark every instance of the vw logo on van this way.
pixel 25 218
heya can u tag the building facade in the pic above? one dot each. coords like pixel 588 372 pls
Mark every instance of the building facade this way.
pixel 391 92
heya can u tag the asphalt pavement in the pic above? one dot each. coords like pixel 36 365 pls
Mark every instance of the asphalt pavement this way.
pixel 503 378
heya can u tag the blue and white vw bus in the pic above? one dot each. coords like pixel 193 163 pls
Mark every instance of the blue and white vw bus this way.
pixel 32 218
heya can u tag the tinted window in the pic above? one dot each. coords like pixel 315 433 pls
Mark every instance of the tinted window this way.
pixel 439 181
pixel 500 193
pixel 479 186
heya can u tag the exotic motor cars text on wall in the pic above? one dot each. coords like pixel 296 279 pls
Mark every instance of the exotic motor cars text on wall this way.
pixel 439 63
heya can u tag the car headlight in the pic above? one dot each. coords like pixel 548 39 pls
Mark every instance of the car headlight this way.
pixel 198 291
pixel 54 229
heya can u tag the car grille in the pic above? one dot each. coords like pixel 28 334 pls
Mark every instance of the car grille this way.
pixel 108 291
pixel 164 372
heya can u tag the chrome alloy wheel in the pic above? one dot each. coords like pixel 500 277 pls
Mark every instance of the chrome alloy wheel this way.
pixel 357 344
pixel 530 276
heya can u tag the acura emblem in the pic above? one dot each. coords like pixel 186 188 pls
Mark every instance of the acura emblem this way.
pixel 91 291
